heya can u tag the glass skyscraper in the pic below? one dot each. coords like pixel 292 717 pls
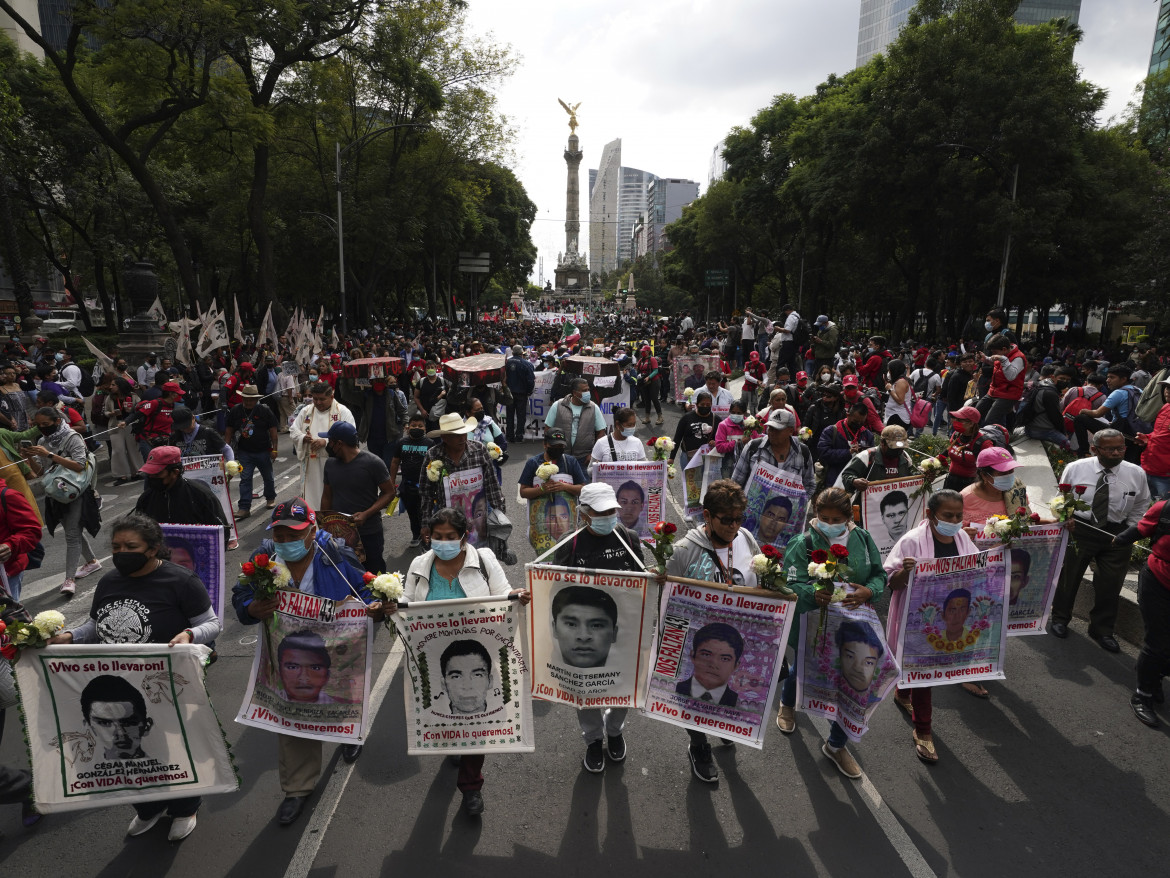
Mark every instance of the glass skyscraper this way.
pixel 1160 53
pixel 882 19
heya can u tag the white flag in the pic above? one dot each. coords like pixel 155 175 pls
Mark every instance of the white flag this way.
pixel 183 353
pixel 334 340
pixel 157 312
pixel 106 363
pixel 211 314
pixel 214 335
pixel 239 323
pixel 263 337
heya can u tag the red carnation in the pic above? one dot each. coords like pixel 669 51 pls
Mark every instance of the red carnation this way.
pixel 943 455
pixel 3 626
pixel 819 556
pixel 9 652
pixel 839 551
pixel 772 553
pixel 248 568
pixel 1035 516
pixel 653 439
pixel 261 560
pixel 1021 510
pixel 368 577
pixel 1080 489
pixel 669 528
pixel 1064 487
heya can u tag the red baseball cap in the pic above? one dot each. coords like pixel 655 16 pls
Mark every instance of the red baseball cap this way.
pixel 160 458
pixel 294 513
pixel 173 387
pixel 849 381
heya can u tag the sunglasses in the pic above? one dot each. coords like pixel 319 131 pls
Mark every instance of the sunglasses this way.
pixel 729 520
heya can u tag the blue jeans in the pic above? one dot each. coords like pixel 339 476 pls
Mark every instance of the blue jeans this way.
pixel 1159 488
pixel 14 585
pixel 252 461
pixel 837 736
pixel 940 411
pixel 1056 437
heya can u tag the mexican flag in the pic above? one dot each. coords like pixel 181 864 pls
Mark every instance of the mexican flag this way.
pixel 570 334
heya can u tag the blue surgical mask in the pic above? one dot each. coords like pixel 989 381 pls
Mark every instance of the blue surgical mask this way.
pixel 626 434
pixel 603 524
pixel 833 531
pixel 445 550
pixel 585 397
pixel 736 419
pixel 948 528
pixel 292 551
pixel 59 357
pixel 1004 483
pixel 987 325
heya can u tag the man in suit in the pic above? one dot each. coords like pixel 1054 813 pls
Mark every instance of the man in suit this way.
pixel 715 654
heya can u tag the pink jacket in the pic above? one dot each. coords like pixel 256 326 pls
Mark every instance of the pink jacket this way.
pixel 725 435
pixel 919 544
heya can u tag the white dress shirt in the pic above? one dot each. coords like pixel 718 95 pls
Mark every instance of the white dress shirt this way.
pixel 1129 493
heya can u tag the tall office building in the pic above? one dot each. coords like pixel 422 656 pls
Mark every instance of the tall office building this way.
pixel 631 205
pixel 604 185
pixel 1160 53
pixel 882 19
pixel 718 165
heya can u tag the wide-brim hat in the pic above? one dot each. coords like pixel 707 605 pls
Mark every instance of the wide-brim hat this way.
pixel 453 425
pixel 251 391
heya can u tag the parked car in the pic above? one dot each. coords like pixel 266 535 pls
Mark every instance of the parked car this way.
pixel 62 321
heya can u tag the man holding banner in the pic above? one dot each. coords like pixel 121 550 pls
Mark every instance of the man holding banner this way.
pixel 585 620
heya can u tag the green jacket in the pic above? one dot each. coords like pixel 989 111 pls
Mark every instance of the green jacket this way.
pixel 826 348
pixel 864 561
pixel 10 442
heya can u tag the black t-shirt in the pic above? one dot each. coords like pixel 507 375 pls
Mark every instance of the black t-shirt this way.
pixel 428 392
pixel 252 426
pixel 148 609
pixel 690 435
pixel 945 550
pixel 354 486
pixel 411 453
pixel 206 441
pixel 589 550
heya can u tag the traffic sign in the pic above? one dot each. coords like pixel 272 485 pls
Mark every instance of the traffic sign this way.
pixel 717 277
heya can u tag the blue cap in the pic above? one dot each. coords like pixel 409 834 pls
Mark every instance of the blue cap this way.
pixel 342 430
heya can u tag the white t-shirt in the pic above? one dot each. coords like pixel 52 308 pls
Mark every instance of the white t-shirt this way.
pixel 933 382
pixel 749 331
pixel 627 449
pixel 789 326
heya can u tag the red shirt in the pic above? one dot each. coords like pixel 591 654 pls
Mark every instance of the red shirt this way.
pixel 19 527
pixel 1001 387
pixel 1159 560
pixel 1156 457
pixel 870 369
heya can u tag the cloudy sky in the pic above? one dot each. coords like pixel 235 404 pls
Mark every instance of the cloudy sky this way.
pixel 671 78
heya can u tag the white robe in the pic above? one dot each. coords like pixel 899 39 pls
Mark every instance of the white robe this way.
pixel 310 422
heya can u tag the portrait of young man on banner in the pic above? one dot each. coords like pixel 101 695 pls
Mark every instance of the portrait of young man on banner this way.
pixel 470 680
pixel 1035 560
pixel 199 548
pixel 640 488
pixel 776 506
pixel 550 519
pixel 464 490
pixel 717 664
pixel 890 509
pixel 847 670
pixel 121 723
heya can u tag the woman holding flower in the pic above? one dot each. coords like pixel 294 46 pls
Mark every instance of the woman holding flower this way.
pixel 996 489
pixel 453 569
pixel 832 537
pixel 147 599
pixel 941 535
pixel 729 437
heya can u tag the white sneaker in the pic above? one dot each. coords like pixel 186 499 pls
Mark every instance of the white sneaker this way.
pixel 68 587
pixel 92 567
pixel 139 826
pixel 181 827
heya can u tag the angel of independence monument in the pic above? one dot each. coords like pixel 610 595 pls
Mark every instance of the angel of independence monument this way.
pixel 572 271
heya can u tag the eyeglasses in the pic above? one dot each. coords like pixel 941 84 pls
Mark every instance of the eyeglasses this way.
pixel 729 520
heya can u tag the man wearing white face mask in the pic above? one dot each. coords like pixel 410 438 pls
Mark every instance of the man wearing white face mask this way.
pixel 603 543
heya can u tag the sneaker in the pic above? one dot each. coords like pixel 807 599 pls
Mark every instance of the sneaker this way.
pixel 181 827
pixel 92 567
pixel 233 544
pixel 271 504
pixel 415 543
pixel 473 803
pixel 844 761
pixel 659 422
pixel 68 588
pixel 616 746
pixel 702 764
pixel 594 760
pixel 786 719
pixel 138 825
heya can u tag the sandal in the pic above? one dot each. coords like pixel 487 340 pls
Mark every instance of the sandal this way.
pixel 924 748
pixel 977 691
pixel 903 701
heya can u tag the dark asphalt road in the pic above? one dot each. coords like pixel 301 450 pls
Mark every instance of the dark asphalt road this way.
pixel 1052 776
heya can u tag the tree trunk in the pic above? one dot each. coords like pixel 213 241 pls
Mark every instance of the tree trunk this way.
pixel 99 277
pixel 265 283
pixel 10 248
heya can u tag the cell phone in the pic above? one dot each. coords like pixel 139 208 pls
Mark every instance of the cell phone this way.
pixel 26 443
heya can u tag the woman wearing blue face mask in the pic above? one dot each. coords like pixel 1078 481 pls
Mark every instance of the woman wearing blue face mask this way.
pixel 996 490
pixel 453 569
pixel 319 565
pixel 941 535
pixel 833 525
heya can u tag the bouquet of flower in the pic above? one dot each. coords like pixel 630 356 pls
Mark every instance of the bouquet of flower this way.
pixel 1009 527
pixel 436 471
pixel 1068 502
pixel 662 446
pixel 769 573
pixel 804 434
pixel 827 568
pixel 29 635
pixel 751 429
pixel 931 468
pixel 494 451
pixel 689 392
pixel 233 468
pixel 661 545
pixel 264 575
pixel 386 587
pixel 546 471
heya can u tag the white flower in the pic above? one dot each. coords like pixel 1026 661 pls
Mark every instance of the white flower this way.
pixel 664 443
pixel 48 623
pixel 233 467
pixel 930 465
pixel 820 571
pixel 387 587
pixel 435 470
pixel 760 564
pixel 670 472
pixel 689 392
pixel 804 433
pixel 281 578
pixel 546 471
pixel 1056 504
pixel 494 451
pixel 750 423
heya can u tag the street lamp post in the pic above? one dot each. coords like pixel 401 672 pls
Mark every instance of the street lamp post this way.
pixel 365 138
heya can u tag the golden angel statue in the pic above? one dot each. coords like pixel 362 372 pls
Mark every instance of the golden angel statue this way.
pixel 572 111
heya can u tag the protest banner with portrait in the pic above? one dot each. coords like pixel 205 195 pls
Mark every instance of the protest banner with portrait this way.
pixel 120 724
pixel 776 506
pixel 846 669
pixel 470 682
pixel 1034 562
pixel 890 509
pixel 640 487
pixel 591 633
pixel 551 516
pixel 718 657
pixel 702 469
pixel 209 469
pixel 199 548
pixel 953 626
pixel 311 672
pixel 464 491
pixel 689 370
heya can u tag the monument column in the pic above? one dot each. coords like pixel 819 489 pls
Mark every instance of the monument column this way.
pixel 572 271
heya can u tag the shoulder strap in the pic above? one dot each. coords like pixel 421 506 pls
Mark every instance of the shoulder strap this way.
pixel 612 447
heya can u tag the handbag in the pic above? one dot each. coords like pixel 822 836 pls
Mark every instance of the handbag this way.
pixel 64 485
pixel 920 410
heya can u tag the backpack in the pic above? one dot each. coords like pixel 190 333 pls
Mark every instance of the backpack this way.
pixel 1132 421
pixel 802 333
pixel 1083 401
pixel 1027 411
pixel 922 382
pixel 1151 400
pixel 86 385
pixel 998 437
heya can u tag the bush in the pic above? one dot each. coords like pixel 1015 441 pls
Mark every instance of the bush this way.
pixel 930 444
pixel 1058 458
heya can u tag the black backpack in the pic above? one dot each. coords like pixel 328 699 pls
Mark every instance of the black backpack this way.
pixel 801 333
pixel 1132 422
pixel 1028 411
pixel 86 387
pixel 923 382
